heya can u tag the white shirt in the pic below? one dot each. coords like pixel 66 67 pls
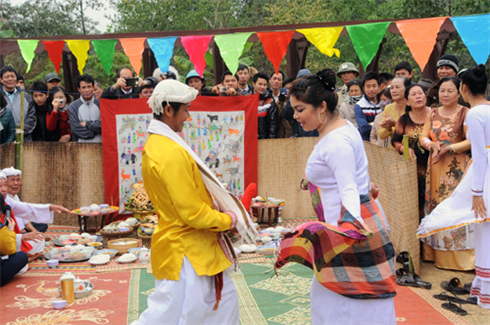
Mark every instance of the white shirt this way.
pixel 20 222
pixel 339 167
pixel 478 121
pixel 32 212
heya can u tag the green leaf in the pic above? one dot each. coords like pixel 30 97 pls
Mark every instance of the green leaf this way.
pixel 246 61
pixel 209 59
pixel 247 47
pixel 6 33
pixel 184 63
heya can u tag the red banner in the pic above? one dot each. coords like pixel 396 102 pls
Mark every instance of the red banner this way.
pixel 225 139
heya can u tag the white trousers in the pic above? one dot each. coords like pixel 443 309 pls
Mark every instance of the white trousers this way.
pixel 328 307
pixel 191 300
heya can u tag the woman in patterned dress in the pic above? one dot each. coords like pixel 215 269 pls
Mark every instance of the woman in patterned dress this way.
pixel 411 124
pixel 444 135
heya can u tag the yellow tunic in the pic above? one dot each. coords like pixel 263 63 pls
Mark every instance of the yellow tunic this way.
pixel 188 223
pixel 8 244
pixel 390 110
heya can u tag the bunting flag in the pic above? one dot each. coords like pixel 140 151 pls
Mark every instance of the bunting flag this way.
pixel 276 45
pixel 27 48
pixel 55 52
pixel 475 33
pixel 196 47
pixel 105 51
pixel 323 38
pixel 231 48
pixel 366 39
pixel 134 47
pixel 79 48
pixel 163 48
pixel 420 36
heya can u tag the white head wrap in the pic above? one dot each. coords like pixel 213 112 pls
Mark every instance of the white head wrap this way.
pixel 3 176
pixel 170 91
pixel 11 171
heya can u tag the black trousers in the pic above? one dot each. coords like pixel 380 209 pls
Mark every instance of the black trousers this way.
pixel 41 227
pixel 9 268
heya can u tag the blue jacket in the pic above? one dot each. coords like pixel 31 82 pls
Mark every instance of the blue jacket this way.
pixel 365 112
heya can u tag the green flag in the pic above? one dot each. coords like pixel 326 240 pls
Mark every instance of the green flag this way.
pixel 366 39
pixel 105 51
pixel 231 48
pixel 27 48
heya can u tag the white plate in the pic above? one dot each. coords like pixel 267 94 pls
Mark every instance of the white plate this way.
pixel 98 263
pixel 248 248
pixel 127 262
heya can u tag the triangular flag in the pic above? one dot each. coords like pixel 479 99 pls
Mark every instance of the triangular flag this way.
pixel 231 48
pixel 163 48
pixel 323 38
pixel 79 48
pixel 196 47
pixel 55 52
pixel 366 39
pixel 134 47
pixel 420 36
pixel 27 48
pixel 276 45
pixel 475 33
pixel 105 50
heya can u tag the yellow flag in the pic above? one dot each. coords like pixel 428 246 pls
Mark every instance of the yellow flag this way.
pixel 79 48
pixel 323 38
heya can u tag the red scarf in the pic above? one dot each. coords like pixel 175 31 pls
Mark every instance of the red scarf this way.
pixel 25 246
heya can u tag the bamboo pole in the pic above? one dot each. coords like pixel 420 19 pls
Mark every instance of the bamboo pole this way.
pixel 406 149
pixel 19 145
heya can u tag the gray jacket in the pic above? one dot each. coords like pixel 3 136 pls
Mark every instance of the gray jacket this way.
pixel 30 119
pixel 88 112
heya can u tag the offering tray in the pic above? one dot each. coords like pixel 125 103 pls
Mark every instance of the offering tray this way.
pixel 50 256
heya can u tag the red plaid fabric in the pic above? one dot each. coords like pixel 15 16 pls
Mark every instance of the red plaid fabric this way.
pixel 349 260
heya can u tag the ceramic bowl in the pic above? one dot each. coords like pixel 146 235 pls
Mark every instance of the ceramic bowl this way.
pixel 103 206
pixel 59 304
pixel 135 251
pixel 122 229
pixel 111 252
pixel 266 240
pixel 52 263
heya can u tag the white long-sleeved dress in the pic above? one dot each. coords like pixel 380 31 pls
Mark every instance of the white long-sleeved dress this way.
pixel 339 167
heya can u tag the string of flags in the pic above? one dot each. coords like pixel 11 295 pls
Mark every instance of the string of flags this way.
pixel 419 34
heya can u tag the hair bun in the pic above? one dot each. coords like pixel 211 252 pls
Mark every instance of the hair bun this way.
pixel 328 78
pixel 479 71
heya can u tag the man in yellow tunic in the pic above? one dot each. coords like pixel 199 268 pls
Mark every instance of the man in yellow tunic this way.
pixel 188 259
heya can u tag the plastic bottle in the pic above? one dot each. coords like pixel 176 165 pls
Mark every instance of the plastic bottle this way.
pixel 68 287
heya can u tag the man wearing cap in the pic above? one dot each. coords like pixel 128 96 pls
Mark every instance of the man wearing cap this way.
pixel 14 184
pixel 447 66
pixel 52 80
pixel 198 83
pixel 288 113
pixel 347 72
pixel 189 250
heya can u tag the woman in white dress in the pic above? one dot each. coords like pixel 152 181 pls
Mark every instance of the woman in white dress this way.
pixel 339 167
pixel 474 84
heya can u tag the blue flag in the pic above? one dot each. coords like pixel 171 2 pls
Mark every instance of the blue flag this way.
pixel 475 33
pixel 163 48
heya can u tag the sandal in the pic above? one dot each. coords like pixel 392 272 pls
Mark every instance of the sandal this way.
pixel 467 286
pixel 402 257
pixel 445 297
pixel 472 300
pixel 454 308
pixel 408 279
pixel 454 286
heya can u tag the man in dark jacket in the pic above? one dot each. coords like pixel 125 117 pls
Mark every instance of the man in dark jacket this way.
pixel 7 123
pixel 268 116
pixel 120 90
pixel 42 107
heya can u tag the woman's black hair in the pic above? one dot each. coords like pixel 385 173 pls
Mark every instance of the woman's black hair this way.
pixel 288 80
pixel 406 81
pixel 476 79
pixel 407 92
pixel 386 93
pixel 56 89
pixel 3 102
pixel 356 82
pixel 454 80
pixel 317 89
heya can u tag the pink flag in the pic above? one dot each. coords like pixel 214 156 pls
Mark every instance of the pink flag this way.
pixel 196 47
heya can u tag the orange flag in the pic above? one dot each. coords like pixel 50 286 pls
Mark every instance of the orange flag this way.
pixel 420 36
pixel 134 47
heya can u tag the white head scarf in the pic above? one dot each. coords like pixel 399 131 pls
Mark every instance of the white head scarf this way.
pixel 3 176
pixel 11 171
pixel 170 91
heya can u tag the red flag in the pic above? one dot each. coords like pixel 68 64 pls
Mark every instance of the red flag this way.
pixel 55 52
pixel 196 47
pixel 276 45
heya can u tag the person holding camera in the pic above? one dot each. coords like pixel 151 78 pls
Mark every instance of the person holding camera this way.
pixel 228 85
pixel 57 118
pixel 126 86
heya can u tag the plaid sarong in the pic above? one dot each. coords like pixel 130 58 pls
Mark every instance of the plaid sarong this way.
pixel 349 260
